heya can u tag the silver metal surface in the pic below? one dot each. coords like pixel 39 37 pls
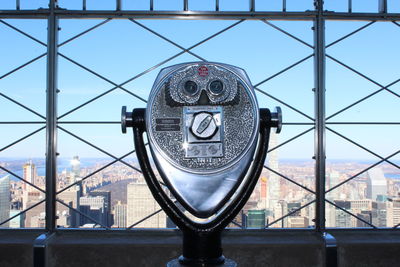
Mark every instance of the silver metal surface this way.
pixel 201 145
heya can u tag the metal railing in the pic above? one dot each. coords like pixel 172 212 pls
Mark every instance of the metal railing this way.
pixel 318 123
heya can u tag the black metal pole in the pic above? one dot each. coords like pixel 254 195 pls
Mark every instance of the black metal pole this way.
pixel 319 96
pixel 202 248
pixel 51 119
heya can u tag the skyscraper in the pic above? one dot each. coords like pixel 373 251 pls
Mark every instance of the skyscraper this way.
pixel 140 203
pixel 342 218
pixel 376 183
pixel 4 200
pixel 71 198
pixel 29 175
pixel 93 207
pixel 274 181
pixel 120 215
pixel 107 204
pixel 75 168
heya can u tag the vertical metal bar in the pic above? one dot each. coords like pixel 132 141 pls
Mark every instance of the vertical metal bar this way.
pixel 319 97
pixel 284 5
pixel 382 6
pixel 17 4
pixel 252 5
pixel 118 5
pixel 51 118
pixel 350 6
pixel 216 5
pixel 83 4
pixel 185 5
pixel 151 5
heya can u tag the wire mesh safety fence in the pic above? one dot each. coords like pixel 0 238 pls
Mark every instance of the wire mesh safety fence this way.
pixel 95 184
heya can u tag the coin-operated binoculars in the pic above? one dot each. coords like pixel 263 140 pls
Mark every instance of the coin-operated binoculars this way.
pixel 208 140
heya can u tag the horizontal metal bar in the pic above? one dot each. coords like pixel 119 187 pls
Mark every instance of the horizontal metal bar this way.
pixel 297 123
pixel 22 122
pixel 145 14
pixel 89 122
pixel 150 14
pixel 359 16
pixel 363 123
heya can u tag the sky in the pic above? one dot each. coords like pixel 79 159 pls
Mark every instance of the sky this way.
pixel 122 49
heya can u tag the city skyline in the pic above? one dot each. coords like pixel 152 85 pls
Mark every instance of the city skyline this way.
pixel 288 194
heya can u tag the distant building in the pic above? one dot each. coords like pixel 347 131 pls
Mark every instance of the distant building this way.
pixel 140 204
pixel 342 218
pixel 333 181
pixel 297 222
pixel 107 204
pixel 256 219
pixel 367 209
pixel 294 207
pixel 32 216
pixel 75 167
pixel 120 215
pixel 31 196
pixel 64 218
pixel 395 212
pixel 94 208
pixel 29 175
pixel 376 184
pixel 17 222
pixel 4 200
pixel 71 197
pixel 366 216
pixel 38 220
pixel 274 181
pixel 75 175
